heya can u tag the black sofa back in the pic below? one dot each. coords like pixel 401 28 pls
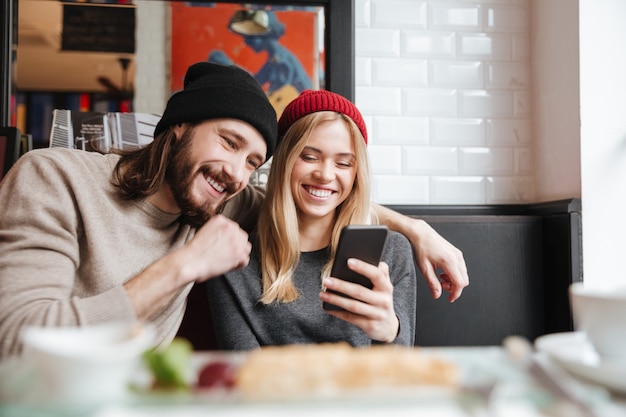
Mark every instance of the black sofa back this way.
pixel 521 260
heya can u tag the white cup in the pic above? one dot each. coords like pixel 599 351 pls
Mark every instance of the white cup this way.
pixel 601 314
pixel 85 365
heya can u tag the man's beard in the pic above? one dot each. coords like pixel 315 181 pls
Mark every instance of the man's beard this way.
pixel 180 177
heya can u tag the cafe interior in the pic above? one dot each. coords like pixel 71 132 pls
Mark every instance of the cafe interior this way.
pixel 518 342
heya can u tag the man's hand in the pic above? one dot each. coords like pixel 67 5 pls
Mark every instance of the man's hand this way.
pixel 219 246
pixel 441 263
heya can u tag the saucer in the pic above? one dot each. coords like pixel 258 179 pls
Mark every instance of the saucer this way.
pixel 574 352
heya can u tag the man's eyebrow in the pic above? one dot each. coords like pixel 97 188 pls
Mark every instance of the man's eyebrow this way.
pixel 233 133
pixel 242 140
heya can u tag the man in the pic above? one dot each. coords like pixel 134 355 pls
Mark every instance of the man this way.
pixel 89 238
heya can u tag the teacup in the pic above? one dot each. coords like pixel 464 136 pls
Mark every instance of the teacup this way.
pixel 85 365
pixel 601 314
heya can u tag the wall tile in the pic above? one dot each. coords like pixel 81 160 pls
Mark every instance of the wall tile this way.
pixel 423 160
pixel 523 158
pixel 486 161
pixel 521 47
pixel 457 190
pixel 363 71
pixel 377 42
pixel 483 46
pixel 401 130
pixel 481 103
pixel 362 13
pixel 447 15
pixel 457 74
pixel 521 103
pixel 486 2
pixel 385 159
pixel 507 19
pixel 399 13
pixel 430 102
pixel 454 131
pixel 508 132
pixel 509 190
pixel 400 72
pixel 379 100
pixel 502 75
pixel 400 189
pixel 423 44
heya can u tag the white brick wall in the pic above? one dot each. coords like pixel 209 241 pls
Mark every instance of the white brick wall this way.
pixel 444 86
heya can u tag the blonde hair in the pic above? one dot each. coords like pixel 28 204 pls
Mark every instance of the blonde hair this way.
pixel 278 220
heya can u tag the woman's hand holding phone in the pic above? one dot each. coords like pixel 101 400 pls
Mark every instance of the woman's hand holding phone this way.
pixel 372 309
pixel 359 290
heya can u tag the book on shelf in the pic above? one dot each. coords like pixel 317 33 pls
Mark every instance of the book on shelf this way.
pixel 101 131
pixel 20 112
pixel 39 116
pixel 77 101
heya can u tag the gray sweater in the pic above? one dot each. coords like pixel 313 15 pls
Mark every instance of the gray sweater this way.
pixel 242 322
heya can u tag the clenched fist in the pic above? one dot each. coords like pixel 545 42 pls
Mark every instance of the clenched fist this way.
pixel 219 246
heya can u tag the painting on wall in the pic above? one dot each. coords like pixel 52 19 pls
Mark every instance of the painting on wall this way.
pixel 281 46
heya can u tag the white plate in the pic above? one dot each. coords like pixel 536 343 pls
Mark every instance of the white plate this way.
pixel 574 352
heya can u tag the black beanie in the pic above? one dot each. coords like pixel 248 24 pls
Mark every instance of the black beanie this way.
pixel 213 91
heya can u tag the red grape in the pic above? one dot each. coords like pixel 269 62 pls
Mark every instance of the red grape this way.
pixel 217 375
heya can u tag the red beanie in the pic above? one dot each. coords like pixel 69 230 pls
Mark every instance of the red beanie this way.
pixel 312 101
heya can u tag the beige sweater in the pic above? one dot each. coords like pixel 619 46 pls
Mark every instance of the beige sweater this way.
pixel 68 243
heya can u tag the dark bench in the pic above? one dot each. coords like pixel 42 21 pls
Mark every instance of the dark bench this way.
pixel 521 260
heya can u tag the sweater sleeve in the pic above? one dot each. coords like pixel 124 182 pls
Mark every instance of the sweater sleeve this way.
pixel 40 256
pixel 244 207
pixel 399 256
pixel 232 329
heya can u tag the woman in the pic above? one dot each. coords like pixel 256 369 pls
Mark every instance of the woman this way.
pixel 319 182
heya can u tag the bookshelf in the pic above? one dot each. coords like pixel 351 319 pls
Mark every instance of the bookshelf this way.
pixel 31 111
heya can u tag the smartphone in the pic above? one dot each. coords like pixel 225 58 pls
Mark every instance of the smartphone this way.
pixel 364 242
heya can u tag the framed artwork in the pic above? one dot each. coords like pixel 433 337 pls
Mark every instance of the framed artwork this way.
pixel 281 46
pixel 333 34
